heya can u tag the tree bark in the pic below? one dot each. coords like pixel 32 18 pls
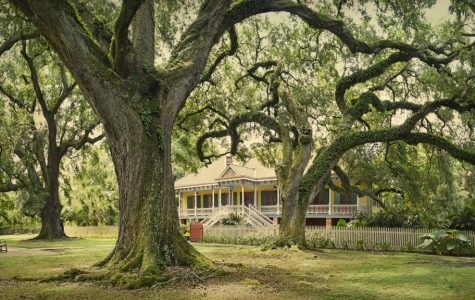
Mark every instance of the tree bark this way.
pixel 51 223
pixel 149 236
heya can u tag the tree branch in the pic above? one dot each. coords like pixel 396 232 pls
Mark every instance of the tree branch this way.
pixel 20 36
pixel 98 29
pixel 79 143
pixel 121 45
pixel 348 187
pixel 64 95
pixel 231 51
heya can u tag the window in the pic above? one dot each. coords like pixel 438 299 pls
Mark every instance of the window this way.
pixel 207 201
pixel 345 198
pixel 248 198
pixel 224 199
pixel 190 201
pixel 198 201
pixel 323 198
pixel 268 198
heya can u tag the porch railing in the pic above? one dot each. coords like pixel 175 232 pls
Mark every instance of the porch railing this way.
pixel 318 209
pixel 325 209
pixel 344 209
pixel 270 209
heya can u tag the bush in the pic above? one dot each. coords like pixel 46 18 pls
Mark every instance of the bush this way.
pixel 320 241
pixel 341 223
pixel 233 219
pixel 463 218
pixel 361 245
pixel 445 242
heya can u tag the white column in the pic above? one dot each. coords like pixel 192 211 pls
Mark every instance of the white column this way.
pixel 219 198
pixel 195 202
pixel 278 200
pixel 212 198
pixel 330 201
pixel 179 204
pixel 242 197
pixel 255 195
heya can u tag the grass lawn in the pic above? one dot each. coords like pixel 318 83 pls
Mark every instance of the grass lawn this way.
pixel 276 274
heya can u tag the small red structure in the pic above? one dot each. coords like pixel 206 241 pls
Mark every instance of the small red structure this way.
pixel 196 231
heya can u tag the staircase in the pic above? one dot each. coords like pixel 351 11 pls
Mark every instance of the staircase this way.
pixel 216 217
pixel 256 218
pixel 250 214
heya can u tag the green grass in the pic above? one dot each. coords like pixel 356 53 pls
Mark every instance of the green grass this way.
pixel 276 274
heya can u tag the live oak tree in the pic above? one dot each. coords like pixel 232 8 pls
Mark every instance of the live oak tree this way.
pixel 414 78
pixel 44 119
pixel 138 97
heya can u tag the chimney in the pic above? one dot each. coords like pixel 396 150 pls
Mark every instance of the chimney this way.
pixel 229 160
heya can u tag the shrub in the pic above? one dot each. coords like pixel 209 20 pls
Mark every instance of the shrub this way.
pixel 463 218
pixel 384 246
pixel 361 245
pixel 184 229
pixel 408 247
pixel 233 219
pixel 345 244
pixel 320 241
pixel 445 242
pixel 341 223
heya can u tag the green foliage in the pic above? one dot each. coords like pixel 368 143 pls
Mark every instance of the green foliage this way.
pixel 322 241
pixel 361 245
pixel 402 216
pixel 90 190
pixel 463 218
pixel 345 244
pixel 445 242
pixel 341 223
pixel 408 247
pixel 383 246
pixel 233 219
pixel 267 242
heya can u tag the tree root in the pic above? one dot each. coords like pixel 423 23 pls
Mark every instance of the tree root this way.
pixel 188 276
pixel 135 280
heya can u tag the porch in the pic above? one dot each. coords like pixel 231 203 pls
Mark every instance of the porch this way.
pixel 275 211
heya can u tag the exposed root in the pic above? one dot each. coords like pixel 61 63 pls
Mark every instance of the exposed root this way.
pixel 188 277
pixel 69 275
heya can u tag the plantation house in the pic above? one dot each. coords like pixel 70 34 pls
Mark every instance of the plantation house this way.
pixel 252 189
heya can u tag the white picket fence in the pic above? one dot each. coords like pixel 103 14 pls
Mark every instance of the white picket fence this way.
pixel 396 238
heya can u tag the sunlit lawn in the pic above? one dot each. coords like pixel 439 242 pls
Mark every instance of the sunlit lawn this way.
pixel 276 274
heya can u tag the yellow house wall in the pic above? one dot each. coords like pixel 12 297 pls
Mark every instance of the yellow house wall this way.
pixel 250 188
pixel 237 190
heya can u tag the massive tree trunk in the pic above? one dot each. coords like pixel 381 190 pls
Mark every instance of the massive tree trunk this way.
pixel 292 226
pixel 149 235
pixel 137 105
pixel 294 212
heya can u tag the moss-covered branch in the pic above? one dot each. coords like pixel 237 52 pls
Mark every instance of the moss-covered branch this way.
pixel 248 8
pixel 348 187
pixel 364 75
pixel 121 45
pixel 19 36
pixel 229 52
pixel 231 131
pixel 329 157
pixel 97 28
